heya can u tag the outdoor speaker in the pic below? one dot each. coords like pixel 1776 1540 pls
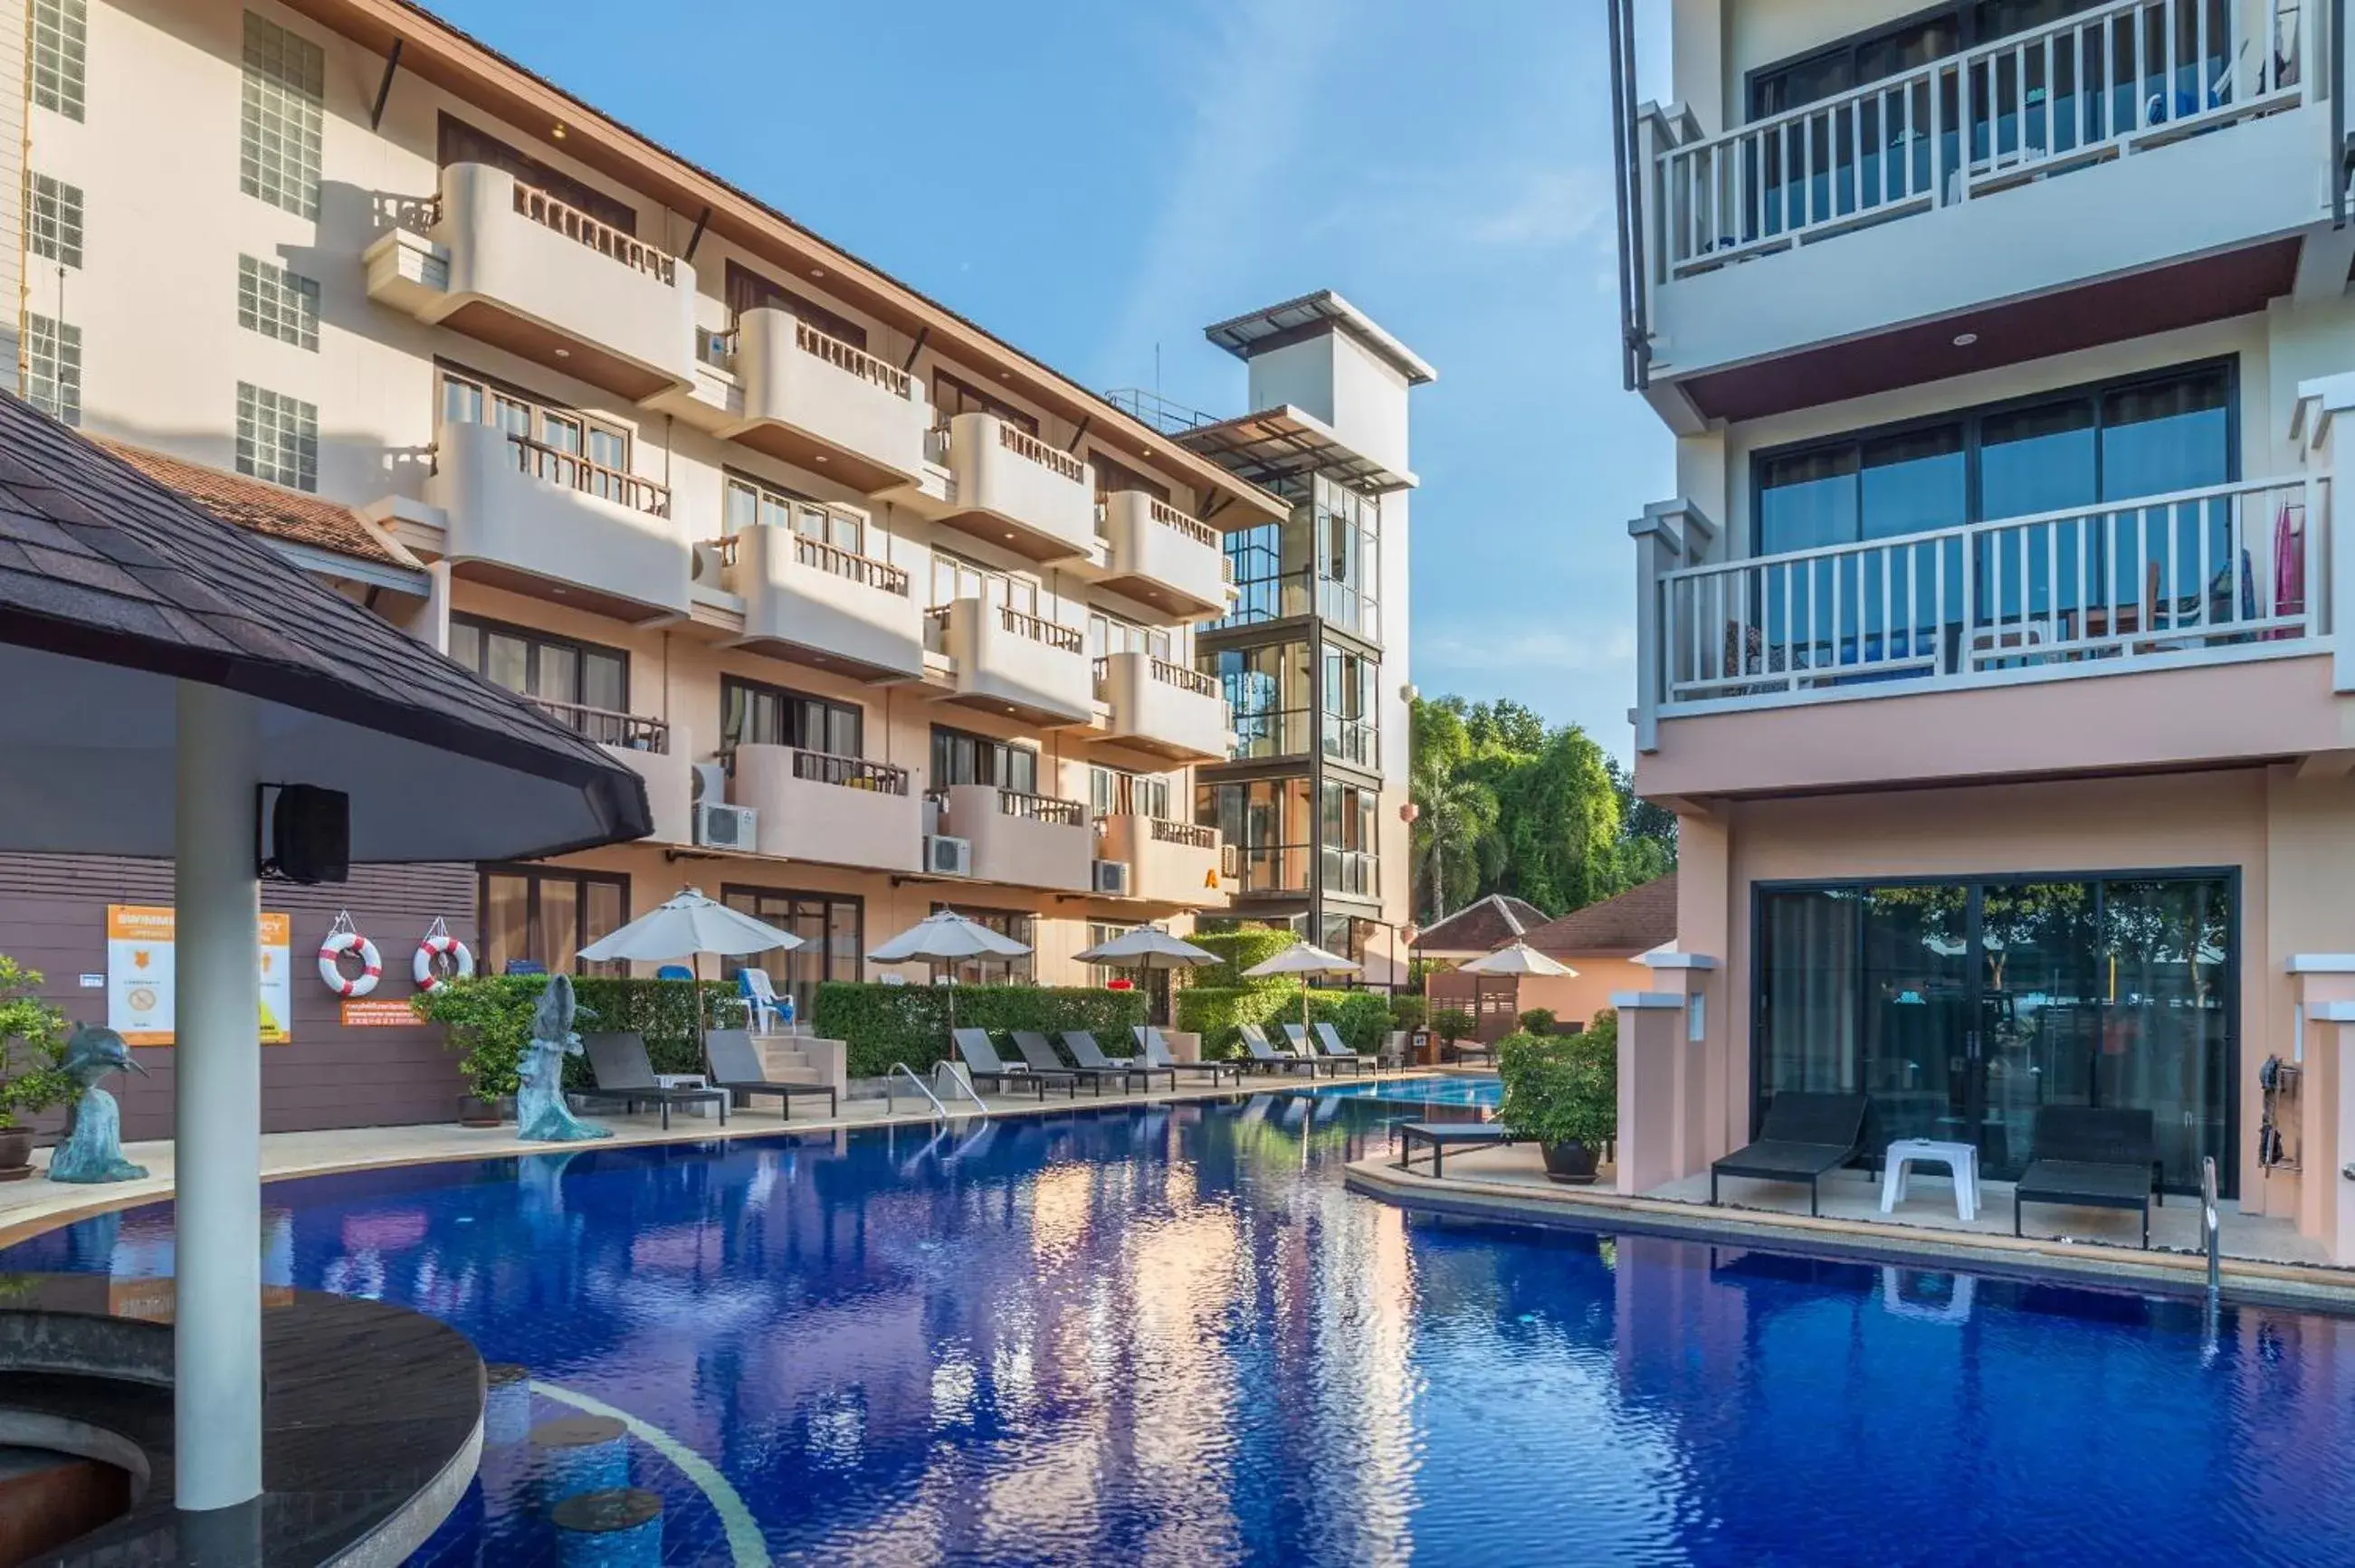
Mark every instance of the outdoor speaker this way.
pixel 311 835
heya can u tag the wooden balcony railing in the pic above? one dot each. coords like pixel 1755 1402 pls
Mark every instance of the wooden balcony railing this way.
pixel 1023 444
pixel 843 563
pixel 1184 679
pixel 1042 809
pixel 603 237
pixel 850 772
pixel 1194 528
pixel 1193 835
pixel 854 361
pixel 574 472
pixel 605 726
pixel 1054 634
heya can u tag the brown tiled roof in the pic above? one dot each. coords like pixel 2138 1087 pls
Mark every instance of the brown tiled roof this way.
pixel 1481 925
pixel 267 509
pixel 1636 921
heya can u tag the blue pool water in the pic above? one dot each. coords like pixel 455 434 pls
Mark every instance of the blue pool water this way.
pixel 1169 1336
pixel 1485 1092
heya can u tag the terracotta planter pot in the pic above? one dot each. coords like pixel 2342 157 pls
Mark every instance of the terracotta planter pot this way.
pixel 479 1112
pixel 16 1153
pixel 1571 1162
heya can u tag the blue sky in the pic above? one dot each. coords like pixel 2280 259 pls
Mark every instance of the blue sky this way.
pixel 1097 181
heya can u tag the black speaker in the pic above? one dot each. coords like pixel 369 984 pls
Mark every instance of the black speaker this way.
pixel 310 835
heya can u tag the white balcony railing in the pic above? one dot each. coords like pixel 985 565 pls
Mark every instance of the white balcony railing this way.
pixel 2224 572
pixel 2104 83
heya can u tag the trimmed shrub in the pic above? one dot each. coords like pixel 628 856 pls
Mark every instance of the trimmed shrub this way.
pixel 1239 949
pixel 1216 1013
pixel 1454 1024
pixel 886 1023
pixel 489 1018
pixel 1562 1088
pixel 1408 1012
pixel 1537 1020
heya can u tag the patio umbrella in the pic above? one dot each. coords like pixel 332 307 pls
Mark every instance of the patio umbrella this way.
pixel 1303 959
pixel 1148 948
pixel 162 669
pixel 946 936
pixel 688 927
pixel 1518 959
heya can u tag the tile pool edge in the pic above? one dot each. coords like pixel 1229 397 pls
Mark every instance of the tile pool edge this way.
pixel 2251 1281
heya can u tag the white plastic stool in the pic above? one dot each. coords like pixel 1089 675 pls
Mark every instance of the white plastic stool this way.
pixel 1961 1159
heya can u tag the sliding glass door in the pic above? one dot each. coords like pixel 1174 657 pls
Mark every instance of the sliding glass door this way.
pixel 1960 1007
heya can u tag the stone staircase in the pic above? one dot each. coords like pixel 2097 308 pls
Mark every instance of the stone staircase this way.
pixel 803 1059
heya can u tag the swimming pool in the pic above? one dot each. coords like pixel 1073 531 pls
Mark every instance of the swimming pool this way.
pixel 1170 1336
pixel 1486 1092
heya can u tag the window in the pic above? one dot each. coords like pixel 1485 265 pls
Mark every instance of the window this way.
pixel 1271 573
pixel 280 137
pixel 833 929
pixel 1349 847
pixel 1109 634
pixel 60 42
pixel 752 504
pixel 539 915
pixel 960 756
pixel 1017 924
pixel 1117 792
pixel 1268 694
pixel 578 675
pixel 277 438
pixel 749 290
pixel 278 304
pixel 1270 823
pixel 757 714
pixel 954 578
pixel 2149 436
pixel 53 219
pixel 951 397
pixel 558 436
pixel 1867 57
pixel 1348 528
pixel 459 142
pixel 53 363
pixel 1352 710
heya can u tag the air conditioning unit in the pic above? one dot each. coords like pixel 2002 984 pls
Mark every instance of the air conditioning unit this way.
pixel 725 827
pixel 710 783
pixel 947 856
pixel 1112 877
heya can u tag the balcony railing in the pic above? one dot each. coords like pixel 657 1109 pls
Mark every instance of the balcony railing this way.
pixel 844 563
pixel 605 726
pixel 574 472
pixel 850 772
pixel 2104 83
pixel 1193 835
pixel 1169 516
pixel 1023 444
pixel 1042 809
pixel 1054 634
pixel 853 360
pixel 603 237
pixel 2212 575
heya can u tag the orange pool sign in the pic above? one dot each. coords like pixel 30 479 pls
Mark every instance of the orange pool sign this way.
pixel 139 966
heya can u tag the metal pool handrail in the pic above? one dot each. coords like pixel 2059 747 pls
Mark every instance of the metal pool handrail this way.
pixel 2210 1219
pixel 902 1070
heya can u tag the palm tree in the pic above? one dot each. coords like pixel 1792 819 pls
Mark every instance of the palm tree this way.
pixel 1455 821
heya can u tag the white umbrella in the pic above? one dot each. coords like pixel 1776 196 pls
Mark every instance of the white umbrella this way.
pixel 1303 959
pixel 1519 958
pixel 1146 948
pixel 688 926
pixel 946 936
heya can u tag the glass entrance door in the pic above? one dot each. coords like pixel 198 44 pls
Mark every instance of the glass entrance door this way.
pixel 1960 1008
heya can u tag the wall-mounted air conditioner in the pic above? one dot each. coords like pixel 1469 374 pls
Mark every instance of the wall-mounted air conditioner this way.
pixel 710 783
pixel 1112 877
pixel 947 856
pixel 719 826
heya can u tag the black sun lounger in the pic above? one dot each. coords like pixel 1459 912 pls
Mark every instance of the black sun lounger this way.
pixel 1038 1053
pixel 736 1067
pixel 1265 1058
pixel 624 1073
pixel 1082 1044
pixel 1155 1052
pixel 2092 1157
pixel 982 1065
pixel 1338 1052
pixel 1804 1136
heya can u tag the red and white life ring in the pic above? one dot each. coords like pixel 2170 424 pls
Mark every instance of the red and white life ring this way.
pixel 428 977
pixel 339 943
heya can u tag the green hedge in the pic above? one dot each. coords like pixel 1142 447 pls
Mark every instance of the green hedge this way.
pixel 1359 1017
pixel 886 1023
pixel 1238 951
pixel 488 1019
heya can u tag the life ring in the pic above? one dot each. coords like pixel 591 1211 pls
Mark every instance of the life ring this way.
pixel 339 943
pixel 429 979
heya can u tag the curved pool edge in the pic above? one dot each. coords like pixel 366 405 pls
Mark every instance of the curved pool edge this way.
pixel 2093 1264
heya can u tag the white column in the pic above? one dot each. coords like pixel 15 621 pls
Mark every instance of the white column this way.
pixel 216 1115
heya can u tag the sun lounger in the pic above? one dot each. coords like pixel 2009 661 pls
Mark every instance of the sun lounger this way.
pixel 1084 1050
pixel 982 1065
pixel 1265 1058
pixel 2091 1157
pixel 624 1075
pixel 1304 1048
pixel 736 1067
pixel 1338 1052
pixel 1804 1136
pixel 1038 1053
pixel 1469 1050
pixel 1441 1136
pixel 1155 1052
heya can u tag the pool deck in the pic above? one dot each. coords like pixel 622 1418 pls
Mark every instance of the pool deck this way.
pixel 2262 1258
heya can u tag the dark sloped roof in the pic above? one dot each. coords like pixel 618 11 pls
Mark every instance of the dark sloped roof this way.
pixel 266 508
pixel 1636 921
pixel 1481 925
pixel 99 563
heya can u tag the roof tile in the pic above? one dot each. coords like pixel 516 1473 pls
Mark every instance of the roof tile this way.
pixel 1636 921
pixel 267 509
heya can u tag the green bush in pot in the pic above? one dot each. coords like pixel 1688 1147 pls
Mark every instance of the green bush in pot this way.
pixel 32 1063
pixel 1562 1092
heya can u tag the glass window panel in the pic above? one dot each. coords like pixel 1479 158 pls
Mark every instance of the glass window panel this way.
pixel 2169 436
pixel 603 911
pixel 556 935
pixel 1914 482
pixel 605 682
pixel 1807 499
pixel 462 401
pixel 466 645
pixel 2166 1043
pixel 846 949
pixel 2037 460
pixel 506 660
pixel 506 921
pixel 559 676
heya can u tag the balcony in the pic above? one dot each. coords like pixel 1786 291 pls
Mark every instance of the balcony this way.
pixel 2169 631
pixel 1168 863
pixel 1017 492
pixel 531 518
pixel 1970 184
pixel 841 810
pixel 1030 840
pixel 820 404
pixel 1011 662
pixel 809 601
pixel 652 749
pixel 1164 708
pixel 517 269
pixel 1159 555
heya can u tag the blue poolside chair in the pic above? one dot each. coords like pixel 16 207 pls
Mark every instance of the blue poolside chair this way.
pixel 675 972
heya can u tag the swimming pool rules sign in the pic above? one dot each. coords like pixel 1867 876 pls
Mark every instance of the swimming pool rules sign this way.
pixel 139 975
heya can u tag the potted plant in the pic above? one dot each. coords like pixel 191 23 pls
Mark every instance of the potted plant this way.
pixel 488 1023
pixel 1537 1021
pixel 1563 1092
pixel 32 1063
pixel 1451 1024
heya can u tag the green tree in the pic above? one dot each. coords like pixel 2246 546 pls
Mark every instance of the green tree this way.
pixel 1455 833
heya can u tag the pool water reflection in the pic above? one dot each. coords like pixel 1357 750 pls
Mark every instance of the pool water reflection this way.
pixel 1170 1336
